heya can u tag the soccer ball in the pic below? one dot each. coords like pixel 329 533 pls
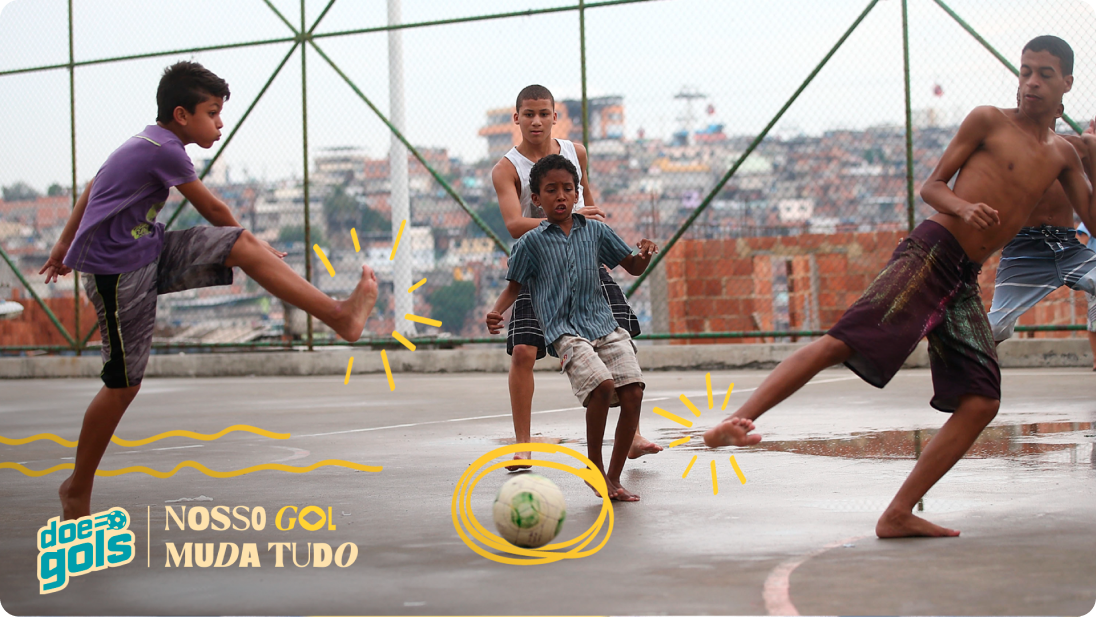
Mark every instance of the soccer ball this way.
pixel 529 511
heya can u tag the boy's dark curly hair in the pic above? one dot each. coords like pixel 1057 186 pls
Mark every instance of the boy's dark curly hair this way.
pixel 546 164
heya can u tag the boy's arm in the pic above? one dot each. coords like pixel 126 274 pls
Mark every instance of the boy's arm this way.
pixel 936 192
pixel 505 179
pixel 506 299
pixel 589 208
pixel 206 203
pixel 214 210
pixel 613 251
pixel 55 264
pixel 1079 163
pixel 637 264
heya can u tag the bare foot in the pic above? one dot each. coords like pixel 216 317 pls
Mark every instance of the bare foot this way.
pixel 520 456
pixel 731 432
pixel 898 524
pixel 641 446
pixel 350 314
pixel 619 493
pixel 73 506
pixel 597 494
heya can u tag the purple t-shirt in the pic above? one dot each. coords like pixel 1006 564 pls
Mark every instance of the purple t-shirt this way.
pixel 119 232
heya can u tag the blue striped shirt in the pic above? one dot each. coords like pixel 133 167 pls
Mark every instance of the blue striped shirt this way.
pixel 561 272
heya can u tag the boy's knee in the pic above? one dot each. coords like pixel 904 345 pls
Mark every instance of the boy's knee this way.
pixel 246 238
pixel 125 393
pixel 630 392
pixel 603 391
pixel 980 408
pixel 834 350
pixel 523 358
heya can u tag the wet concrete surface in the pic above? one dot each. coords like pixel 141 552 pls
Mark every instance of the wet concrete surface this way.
pixel 832 457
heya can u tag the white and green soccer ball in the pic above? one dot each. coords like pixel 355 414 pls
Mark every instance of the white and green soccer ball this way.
pixel 529 510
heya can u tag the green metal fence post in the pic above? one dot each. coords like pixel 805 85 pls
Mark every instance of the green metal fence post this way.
pixel 585 100
pixel 72 125
pixel 413 150
pixel 232 133
pixel 33 294
pixel 978 37
pixel 910 214
pixel 664 250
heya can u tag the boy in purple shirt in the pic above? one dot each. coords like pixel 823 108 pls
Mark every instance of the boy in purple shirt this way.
pixel 127 258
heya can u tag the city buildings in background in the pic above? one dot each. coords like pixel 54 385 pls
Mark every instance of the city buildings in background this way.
pixel 837 182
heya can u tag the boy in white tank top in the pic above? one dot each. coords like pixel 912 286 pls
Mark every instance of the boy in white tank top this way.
pixel 535 114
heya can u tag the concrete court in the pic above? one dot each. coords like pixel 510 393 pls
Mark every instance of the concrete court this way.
pixel 796 537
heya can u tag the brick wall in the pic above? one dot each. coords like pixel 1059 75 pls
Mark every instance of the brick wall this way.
pixel 728 285
pixel 33 326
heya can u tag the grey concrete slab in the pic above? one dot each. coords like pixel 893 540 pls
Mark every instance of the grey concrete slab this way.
pixel 833 456
pixel 1014 353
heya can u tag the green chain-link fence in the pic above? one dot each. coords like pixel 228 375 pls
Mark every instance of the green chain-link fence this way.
pixel 764 147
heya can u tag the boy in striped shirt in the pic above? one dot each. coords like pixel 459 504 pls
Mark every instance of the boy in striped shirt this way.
pixel 559 261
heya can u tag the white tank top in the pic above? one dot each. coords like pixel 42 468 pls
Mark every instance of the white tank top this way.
pixel 524 166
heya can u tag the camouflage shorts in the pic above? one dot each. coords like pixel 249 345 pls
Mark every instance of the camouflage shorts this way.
pixel 126 303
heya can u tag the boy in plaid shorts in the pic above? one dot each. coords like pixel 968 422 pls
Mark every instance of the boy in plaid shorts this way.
pixel 535 115
pixel 559 262
pixel 127 258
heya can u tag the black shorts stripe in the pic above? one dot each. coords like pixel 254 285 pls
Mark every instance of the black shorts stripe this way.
pixel 114 369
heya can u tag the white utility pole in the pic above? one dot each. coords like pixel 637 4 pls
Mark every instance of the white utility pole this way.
pixel 397 177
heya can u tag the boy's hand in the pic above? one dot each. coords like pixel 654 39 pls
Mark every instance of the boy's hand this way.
pixel 55 264
pixel 494 322
pixel 980 216
pixel 593 212
pixel 646 248
pixel 277 253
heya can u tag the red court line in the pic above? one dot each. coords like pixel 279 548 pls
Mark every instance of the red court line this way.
pixel 777 591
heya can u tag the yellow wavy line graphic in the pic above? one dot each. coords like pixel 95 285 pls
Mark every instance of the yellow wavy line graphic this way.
pixel 109 473
pixel 127 443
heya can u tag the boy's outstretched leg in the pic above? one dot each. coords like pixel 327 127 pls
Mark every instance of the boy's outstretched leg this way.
pixel 597 410
pixel 346 317
pixel 521 397
pixel 942 452
pixel 788 377
pixel 100 420
pixel 631 400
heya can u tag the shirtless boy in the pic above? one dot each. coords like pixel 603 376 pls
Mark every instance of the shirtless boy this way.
pixel 1006 159
pixel 1044 256
pixel 535 115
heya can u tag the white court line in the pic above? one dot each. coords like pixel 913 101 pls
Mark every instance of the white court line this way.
pixel 502 415
pixel 507 415
pixel 777 592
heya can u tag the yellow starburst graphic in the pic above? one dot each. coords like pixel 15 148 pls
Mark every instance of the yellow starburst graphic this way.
pixel 688 424
pixel 396 335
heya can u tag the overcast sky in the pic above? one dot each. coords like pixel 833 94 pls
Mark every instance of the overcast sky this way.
pixel 748 57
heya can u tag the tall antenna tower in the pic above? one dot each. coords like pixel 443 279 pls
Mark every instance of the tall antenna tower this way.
pixel 688 119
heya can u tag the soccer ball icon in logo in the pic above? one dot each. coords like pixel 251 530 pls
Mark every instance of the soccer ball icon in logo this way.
pixel 116 519
pixel 529 511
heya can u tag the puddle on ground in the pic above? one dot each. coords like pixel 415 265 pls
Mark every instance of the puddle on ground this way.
pixel 1044 442
pixel 509 441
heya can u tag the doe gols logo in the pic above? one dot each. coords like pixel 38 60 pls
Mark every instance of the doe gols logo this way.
pixel 87 544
